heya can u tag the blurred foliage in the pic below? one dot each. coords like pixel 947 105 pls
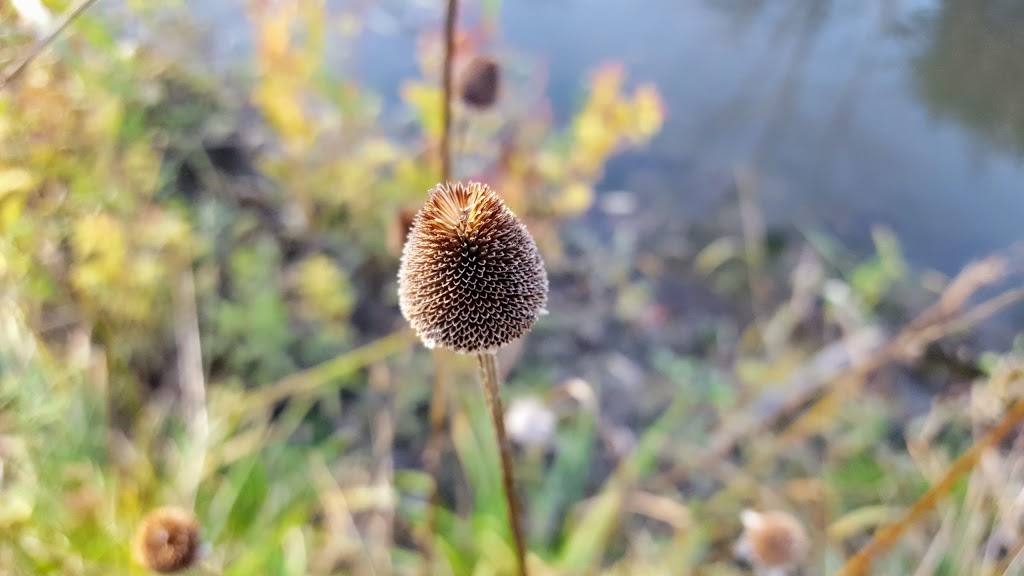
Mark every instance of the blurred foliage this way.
pixel 130 166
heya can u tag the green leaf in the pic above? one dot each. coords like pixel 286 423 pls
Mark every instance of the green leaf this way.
pixel 587 541
pixel 253 487
pixel 565 482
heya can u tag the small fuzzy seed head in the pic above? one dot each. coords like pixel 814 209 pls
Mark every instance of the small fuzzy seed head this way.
pixel 772 540
pixel 471 278
pixel 530 422
pixel 480 82
pixel 168 540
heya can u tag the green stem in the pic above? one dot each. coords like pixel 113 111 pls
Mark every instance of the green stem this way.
pixel 489 379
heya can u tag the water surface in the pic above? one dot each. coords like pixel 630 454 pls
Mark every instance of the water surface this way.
pixel 853 113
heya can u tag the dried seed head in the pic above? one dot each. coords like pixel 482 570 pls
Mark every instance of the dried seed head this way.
pixel 480 82
pixel 168 540
pixel 471 277
pixel 773 540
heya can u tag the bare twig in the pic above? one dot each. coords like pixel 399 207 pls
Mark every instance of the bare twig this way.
pixel 886 537
pixel 489 379
pixel 342 525
pixel 192 384
pixel 317 379
pixel 18 66
pixel 381 523
pixel 446 85
pixel 868 352
pixel 432 455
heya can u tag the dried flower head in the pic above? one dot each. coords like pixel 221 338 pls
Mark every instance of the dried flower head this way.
pixel 772 541
pixel 480 82
pixel 168 540
pixel 471 277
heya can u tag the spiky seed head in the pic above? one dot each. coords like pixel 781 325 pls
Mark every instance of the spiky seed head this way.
pixel 471 277
pixel 480 82
pixel 773 539
pixel 168 540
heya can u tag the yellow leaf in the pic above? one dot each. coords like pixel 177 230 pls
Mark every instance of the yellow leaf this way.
pixel 764 373
pixel 648 113
pixel 620 117
pixel 862 520
pixel 14 180
pixel 98 242
pixel 426 101
pixel 165 230
pixel 414 177
pixel 378 152
pixel 275 34
pixel 550 166
pixel 717 254
pixel 593 141
pixel 13 183
pixel 325 288
pixel 283 109
pixel 604 86
pixel 575 199
pixel 10 211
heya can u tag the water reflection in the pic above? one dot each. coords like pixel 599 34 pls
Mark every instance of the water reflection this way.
pixel 822 99
pixel 908 113
pixel 973 68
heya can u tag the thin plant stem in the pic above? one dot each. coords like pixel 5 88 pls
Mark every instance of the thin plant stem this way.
pixel 886 537
pixel 432 456
pixel 489 379
pixel 446 87
pixel 193 386
pixel 18 66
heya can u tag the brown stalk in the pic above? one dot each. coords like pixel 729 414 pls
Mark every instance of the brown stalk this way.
pixel 446 86
pixel 886 537
pixel 865 353
pixel 18 66
pixel 489 380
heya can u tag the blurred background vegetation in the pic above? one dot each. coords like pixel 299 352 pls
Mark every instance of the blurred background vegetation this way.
pixel 751 214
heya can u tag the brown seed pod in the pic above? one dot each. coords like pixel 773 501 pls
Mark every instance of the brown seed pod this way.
pixel 471 278
pixel 480 82
pixel 772 539
pixel 168 540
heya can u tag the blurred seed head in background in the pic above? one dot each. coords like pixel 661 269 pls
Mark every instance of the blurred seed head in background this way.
pixel 480 83
pixel 168 540
pixel 773 542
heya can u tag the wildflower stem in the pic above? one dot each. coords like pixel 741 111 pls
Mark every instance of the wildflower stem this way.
pixel 18 66
pixel 446 87
pixel 193 386
pixel 432 456
pixel 489 379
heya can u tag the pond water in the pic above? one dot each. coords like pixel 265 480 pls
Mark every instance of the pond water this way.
pixel 853 113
